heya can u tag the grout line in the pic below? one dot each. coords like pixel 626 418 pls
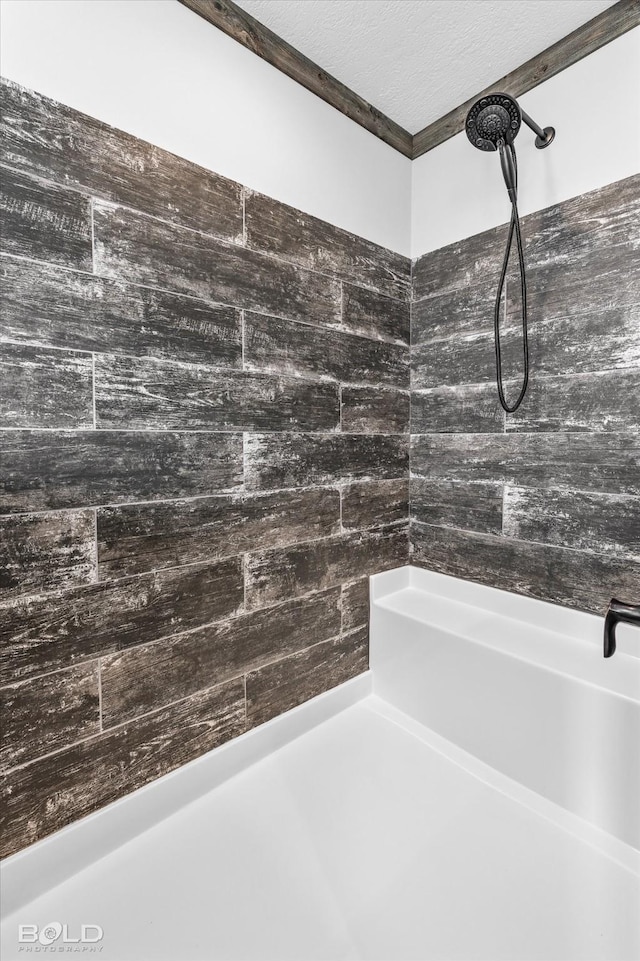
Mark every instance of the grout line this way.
pixel 100 694
pixel 93 381
pixel 243 193
pixel 93 238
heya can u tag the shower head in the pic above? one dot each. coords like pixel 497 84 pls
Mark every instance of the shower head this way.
pixel 492 119
pixel 497 118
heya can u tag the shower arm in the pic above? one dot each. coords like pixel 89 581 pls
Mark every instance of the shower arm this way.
pixel 544 135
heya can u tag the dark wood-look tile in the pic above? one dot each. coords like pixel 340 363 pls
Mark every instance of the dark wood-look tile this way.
pixel 296 460
pixel 465 359
pixel 373 314
pixel 274 575
pixel 586 343
pixel 45 388
pixel 44 221
pixel 159 395
pixel 455 313
pixel 370 410
pixel 562 234
pixel 49 793
pixel 145 537
pixel 375 503
pixel 470 408
pixel 293 235
pixel 39 634
pixel 44 137
pixel 287 347
pixel 605 523
pixel 144 678
pixel 596 281
pixel 278 687
pixel 473 507
pixel 46 552
pixel 132 247
pixel 609 463
pixel 577 579
pixel 54 307
pixel 47 714
pixel 41 470
pixel 605 401
pixel 355 604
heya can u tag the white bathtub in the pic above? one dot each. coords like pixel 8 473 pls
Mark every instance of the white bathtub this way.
pixel 481 802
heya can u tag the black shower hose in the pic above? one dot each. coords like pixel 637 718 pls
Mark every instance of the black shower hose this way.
pixel 514 227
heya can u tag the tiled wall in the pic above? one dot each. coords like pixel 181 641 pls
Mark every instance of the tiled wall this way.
pixel 544 502
pixel 204 416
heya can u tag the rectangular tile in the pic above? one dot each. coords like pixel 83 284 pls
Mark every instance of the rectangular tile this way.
pixel 577 579
pixel 454 313
pixel 371 410
pixel 373 314
pixel 41 470
pixel 279 687
pixel 106 768
pixel 600 278
pixel 44 221
pixel 49 713
pixel 279 229
pixel 473 507
pixel 287 347
pixel 355 604
pixel 132 247
pixel 273 575
pixel 46 552
pixel 374 503
pixel 146 537
pixel 606 401
pixel 603 462
pixel 562 233
pixel 47 138
pixel 45 388
pixel 39 634
pixel 472 408
pixel 605 523
pixel 585 343
pixel 50 306
pixel 158 395
pixel 293 460
pixel 465 359
pixel 144 678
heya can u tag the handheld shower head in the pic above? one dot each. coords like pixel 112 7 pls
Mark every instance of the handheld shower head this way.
pixel 493 123
pixel 492 119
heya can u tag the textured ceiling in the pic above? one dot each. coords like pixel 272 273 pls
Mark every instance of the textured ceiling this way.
pixel 417 59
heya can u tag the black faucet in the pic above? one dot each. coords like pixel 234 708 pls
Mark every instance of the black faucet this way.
pixel 618 611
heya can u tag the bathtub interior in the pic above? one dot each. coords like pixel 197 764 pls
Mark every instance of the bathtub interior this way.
pixel 348 828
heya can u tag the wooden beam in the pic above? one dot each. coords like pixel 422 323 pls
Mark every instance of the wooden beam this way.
pixel 608 25
pixel 248 31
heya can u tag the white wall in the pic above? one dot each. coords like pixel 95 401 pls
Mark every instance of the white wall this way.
pixel 158 71
pixel 594 105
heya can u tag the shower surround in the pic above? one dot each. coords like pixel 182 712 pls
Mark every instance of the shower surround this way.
pixel 544 502
pixel 204 412
pixel 204 453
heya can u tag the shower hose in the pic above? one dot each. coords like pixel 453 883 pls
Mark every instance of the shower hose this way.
pixel 514 227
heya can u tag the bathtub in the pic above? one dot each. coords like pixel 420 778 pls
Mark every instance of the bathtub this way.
pixel 474 796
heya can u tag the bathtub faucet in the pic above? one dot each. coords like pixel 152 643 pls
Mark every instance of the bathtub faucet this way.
pixel 618 611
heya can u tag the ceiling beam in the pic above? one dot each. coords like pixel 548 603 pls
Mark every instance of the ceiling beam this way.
pixel 241 26
pixel 235 22
pixel 608 25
